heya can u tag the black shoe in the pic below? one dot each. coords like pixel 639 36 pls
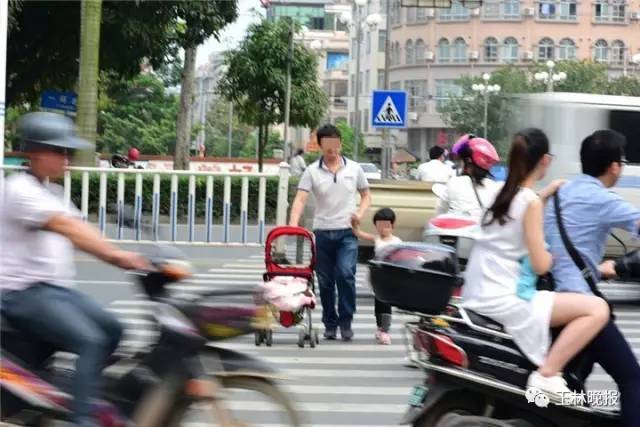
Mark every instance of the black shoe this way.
pixel 346 332
pixel 330 334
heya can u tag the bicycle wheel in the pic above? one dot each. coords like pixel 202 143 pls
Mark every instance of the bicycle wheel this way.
pixel 250 401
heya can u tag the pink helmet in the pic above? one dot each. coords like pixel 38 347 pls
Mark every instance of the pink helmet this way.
pixel 133 154
pixel 483 153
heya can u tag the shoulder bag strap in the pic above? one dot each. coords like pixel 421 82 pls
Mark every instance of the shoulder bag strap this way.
pixel 573 253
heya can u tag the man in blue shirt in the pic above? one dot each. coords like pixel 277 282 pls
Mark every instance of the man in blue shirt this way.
pixel 589 212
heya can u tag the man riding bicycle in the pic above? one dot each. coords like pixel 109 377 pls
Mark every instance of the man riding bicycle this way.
pixel 38 233
pixel 589 212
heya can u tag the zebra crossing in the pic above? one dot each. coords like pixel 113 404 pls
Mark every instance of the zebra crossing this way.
pixel 337 384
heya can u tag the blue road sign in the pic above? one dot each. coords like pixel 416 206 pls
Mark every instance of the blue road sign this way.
pixel 389 109
pixel 54 100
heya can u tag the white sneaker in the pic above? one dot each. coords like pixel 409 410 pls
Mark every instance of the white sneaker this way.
pixel 554 387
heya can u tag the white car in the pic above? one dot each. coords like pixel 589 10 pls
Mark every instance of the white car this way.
pixel 371 171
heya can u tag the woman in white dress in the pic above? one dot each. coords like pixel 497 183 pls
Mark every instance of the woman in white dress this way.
pixel 512 229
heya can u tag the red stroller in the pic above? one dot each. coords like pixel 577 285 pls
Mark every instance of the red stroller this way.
pixel 290 252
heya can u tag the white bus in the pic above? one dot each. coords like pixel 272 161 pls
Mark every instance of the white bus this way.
pixel 567 118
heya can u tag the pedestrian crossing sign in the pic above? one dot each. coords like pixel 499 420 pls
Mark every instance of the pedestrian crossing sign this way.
pixel 389 109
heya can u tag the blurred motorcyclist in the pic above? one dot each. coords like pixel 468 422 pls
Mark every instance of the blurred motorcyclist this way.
pixel 38 233
pixel 473 191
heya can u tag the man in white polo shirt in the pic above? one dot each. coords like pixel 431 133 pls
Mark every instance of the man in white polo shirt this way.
pixel 38 233
pixel 335 182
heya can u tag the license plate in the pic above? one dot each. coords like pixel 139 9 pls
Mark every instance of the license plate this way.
pixel 418 395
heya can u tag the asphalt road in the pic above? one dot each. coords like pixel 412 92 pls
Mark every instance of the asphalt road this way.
pixel 336 384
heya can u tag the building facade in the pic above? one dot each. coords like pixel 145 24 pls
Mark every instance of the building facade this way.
pixel 432 48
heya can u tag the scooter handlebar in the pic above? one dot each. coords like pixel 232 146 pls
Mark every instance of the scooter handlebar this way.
pixel 628 266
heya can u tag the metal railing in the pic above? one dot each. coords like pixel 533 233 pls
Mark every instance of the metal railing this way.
pixel 137 234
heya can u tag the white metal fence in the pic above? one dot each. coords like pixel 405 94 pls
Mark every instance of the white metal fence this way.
pixel 206 230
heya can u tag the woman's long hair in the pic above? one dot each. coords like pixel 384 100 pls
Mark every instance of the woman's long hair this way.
pixel 469 168
pixel 528 148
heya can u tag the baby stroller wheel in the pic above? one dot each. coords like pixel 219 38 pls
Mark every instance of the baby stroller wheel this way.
pixel 316 336
pixel 302 335
pixel 269 337
pixel 258 338
pixel 312 340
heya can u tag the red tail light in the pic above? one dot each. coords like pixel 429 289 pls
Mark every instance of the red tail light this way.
pixel 442 346
pixel 457 292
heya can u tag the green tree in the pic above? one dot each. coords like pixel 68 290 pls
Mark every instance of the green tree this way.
pixel 625 86
pixel 136 113
pixel 274 142
pixel 87 115
pixel 217 131
pixel 256 76
pixel 347 132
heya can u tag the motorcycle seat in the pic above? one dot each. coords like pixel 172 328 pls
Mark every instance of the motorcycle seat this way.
pixel 484 321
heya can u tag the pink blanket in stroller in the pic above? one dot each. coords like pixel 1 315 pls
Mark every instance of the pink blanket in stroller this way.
pixel 288 293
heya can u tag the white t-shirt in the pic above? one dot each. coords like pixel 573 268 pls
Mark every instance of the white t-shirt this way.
pixel 29 254
pixel 434 171
pixel 335 194
pixel 458 196
pixel 379 243
pixel 298 165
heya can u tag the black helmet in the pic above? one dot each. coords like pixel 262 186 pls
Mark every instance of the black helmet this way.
pixel 49 129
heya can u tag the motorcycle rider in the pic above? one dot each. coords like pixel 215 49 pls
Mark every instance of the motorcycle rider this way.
pixel 38 233
pixel 589 212
pixel 473 191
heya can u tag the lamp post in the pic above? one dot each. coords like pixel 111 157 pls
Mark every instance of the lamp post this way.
pixel 485 89
pixel 549 77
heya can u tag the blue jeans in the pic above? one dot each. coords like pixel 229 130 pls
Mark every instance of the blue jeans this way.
pixel 337 253
pixel 611 350
pixel 72 322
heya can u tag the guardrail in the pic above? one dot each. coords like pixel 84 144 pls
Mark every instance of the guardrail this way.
pixel 156 175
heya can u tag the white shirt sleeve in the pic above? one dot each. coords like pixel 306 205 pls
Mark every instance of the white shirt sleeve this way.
pixel 33 205
pixel 362 183
pixel 306 182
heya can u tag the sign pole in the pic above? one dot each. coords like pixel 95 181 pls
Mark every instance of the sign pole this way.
pixel 387 62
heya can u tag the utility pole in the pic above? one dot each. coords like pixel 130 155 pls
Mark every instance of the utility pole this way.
pixel 386 143
pixel 4 28
pixel 356 121
pixel 287 100
pixel 230 131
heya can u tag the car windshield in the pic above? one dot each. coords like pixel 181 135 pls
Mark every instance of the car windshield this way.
pixel 369 167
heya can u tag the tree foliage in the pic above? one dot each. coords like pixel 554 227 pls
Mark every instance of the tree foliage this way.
pixel 217 128
pixel 255 80
pixel 136 113
pixel 346 133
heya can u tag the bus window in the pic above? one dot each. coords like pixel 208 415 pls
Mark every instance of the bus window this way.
pixel 628 123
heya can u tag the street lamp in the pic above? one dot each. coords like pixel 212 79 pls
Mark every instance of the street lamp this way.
pixel 549 77
pixel 485 89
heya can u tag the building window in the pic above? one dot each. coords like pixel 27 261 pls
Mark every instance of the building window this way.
pixel 445 89
pixel 382 40
pixel 398 53
pixel 352 85
pixel 491 50
pixel 352 119
pixel 545 49
pixel 408 52
pixel 354 48
pixel 395 85
pixel 457 12
pixel 459 50
pixel 501 10
pixel 411 15
pixel 416 92
pixel 601 51
pixel 360 81
pixel 617 52
pixel 420 49
pixel 396 12
pixel 559 10
pixel 381 79
pixel 444 51
pixel 421 14
pixel 567 50
pixel 367 81
pixel 510 50
pixel 368 42
pixel 610 11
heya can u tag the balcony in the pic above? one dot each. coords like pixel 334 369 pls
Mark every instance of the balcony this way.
pixel 336 74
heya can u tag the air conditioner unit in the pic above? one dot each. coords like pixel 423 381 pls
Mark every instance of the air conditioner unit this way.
pixel 476 12
pixel 634 16
pixel 474 55
pixel 429 56
pixel 527 56
pixel 413 116
pixel 430 13
pixel 529 11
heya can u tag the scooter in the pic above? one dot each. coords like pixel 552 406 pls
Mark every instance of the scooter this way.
pixel 182 372
pixel 476 375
